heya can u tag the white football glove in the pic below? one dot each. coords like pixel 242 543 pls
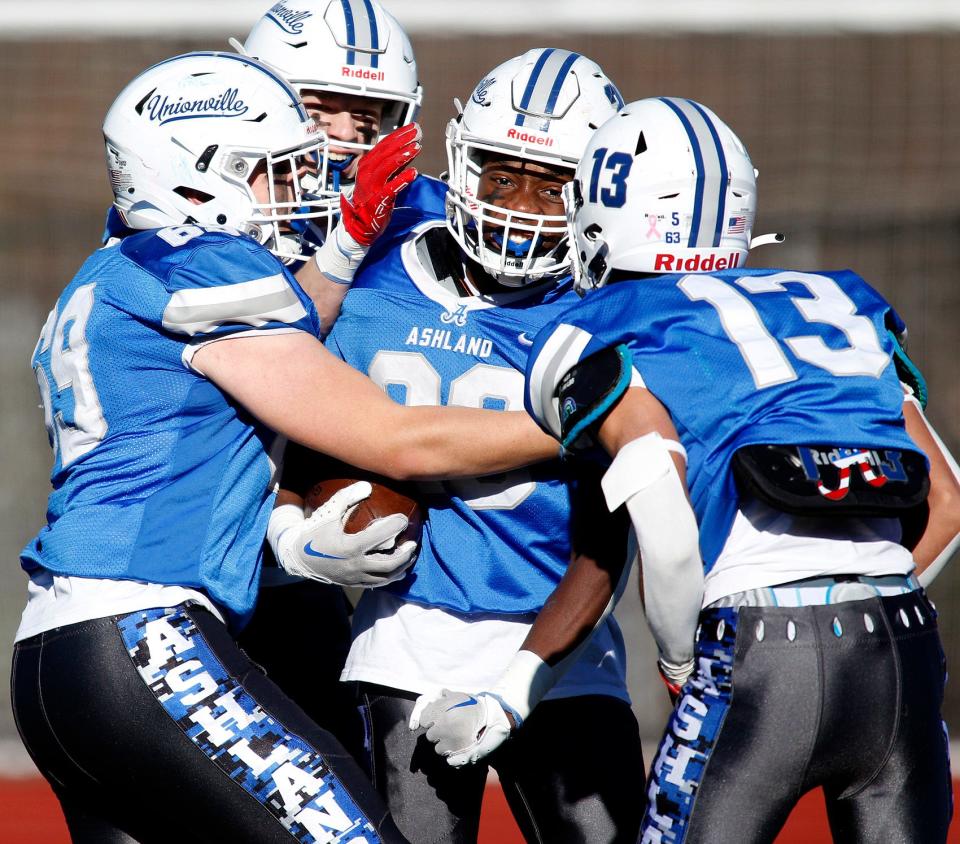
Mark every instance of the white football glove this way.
pixel 318 547
pixel 464 727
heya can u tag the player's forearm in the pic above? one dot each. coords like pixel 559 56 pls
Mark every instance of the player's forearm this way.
pixel 941 537
pixel 584 598
pixel 673 593
pixel 432 443
pixel 647 476
pixel 593 581
pixel 296 387
pixel 327 295
pixel 581 602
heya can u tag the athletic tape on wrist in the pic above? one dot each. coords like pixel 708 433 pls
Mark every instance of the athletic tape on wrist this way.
pixel 523 684
pixel 339 256
pixel 676 673
pixel 279 533
pixel 518 719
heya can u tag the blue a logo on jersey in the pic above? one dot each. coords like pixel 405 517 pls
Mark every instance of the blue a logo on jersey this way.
pixel 164 110
pixel 289 20
pixel 457 317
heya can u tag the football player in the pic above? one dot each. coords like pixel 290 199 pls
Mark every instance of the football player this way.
pixel 769 446
pixel 354 68
pixel 166 368
pixel 442 312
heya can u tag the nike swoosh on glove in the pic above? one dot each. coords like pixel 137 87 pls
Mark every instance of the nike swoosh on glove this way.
pixel 464 727
pixel 319 548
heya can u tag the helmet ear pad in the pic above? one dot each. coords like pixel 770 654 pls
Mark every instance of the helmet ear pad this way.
pixel 665 186
pixel 540 107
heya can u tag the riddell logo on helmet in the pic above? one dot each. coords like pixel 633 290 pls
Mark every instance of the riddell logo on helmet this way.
pixel 696 264
pixel 516 135
pixel 362 73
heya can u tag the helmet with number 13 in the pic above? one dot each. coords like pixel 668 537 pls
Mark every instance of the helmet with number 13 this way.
pixel 664 186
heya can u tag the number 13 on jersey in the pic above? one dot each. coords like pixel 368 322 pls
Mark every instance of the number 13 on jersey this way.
pixel 763 354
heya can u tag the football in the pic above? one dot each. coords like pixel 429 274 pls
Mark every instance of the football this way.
pixel 387 497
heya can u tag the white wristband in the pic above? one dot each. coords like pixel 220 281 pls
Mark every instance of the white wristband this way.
pixel 339 256
pixel 280 533
pixel 678 673
pixel 523 683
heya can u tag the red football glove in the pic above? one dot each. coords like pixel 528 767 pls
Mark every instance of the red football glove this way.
pixel 382 173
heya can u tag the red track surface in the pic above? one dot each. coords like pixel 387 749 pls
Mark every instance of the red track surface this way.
pixel 29 814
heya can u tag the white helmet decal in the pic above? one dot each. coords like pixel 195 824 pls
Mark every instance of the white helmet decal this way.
pixel 543 107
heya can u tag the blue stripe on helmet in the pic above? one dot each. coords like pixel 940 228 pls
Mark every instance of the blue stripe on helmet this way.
pixel 722 193
pixel 558 82
pixel 698 159
pixel 374 34
pixel 351 31
pixel 532 83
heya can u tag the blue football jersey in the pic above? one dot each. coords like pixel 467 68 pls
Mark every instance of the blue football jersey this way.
pixel 739 357
pixel 424 194
pixel 157 475
pixel 495 544
pixel 114 226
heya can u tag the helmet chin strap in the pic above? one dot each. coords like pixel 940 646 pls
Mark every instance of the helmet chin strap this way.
pixel 516 281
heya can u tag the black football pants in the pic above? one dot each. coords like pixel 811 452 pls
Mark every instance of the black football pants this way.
pixel 572 774
pixel 155 727
pixel 845 696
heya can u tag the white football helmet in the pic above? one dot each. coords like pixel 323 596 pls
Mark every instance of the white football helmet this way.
pixel 664 186
pixel 344 46
pixel 185 136
pixel 542 106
